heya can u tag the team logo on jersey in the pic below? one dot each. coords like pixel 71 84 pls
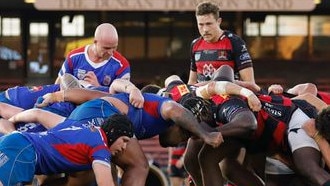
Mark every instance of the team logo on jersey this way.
pixel 107 80
pixel 208 70
pixel 81 74
pixel 197 56
pixel 222 55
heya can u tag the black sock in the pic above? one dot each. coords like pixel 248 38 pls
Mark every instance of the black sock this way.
pixel 327 183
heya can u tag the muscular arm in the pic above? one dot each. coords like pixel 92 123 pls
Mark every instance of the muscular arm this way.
pixel 228 88
pixel 242 125
pixel 173 111
pixel 74 95
pixel 7 111
pixel 35 115
pixel 123 85
pixel 313 100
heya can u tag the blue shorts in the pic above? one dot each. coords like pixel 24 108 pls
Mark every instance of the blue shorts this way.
pixel 93 112
pixel 17 159
pixel 30 127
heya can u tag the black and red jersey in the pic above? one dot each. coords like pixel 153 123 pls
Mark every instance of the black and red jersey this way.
pixel 207 57
pixel 272 119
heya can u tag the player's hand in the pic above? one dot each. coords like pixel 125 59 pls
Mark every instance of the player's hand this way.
pixel 45 100
pixel 136 98
pixel 275 88
pixel 254 103
pixel 91 78
pixel 309 127
pixel 214 139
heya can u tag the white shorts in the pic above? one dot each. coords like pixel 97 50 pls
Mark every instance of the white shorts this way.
pixel 297 137
pixel 274 166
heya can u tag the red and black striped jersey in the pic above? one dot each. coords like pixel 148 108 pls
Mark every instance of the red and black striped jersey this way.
pixel 207 57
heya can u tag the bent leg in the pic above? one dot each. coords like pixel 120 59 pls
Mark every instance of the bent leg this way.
pixel 191 160
pixel 311 168
pixel 209 159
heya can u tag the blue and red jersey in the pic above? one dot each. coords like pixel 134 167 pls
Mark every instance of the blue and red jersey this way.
pixel 25 97
pixel 147 121
pixel 68 147
pixel 78 64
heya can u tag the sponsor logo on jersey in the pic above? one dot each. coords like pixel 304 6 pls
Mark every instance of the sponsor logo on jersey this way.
pixel 245 56
pixel 3 158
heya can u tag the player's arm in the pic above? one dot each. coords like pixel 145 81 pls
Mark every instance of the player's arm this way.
pixel 247 74
pixel 35 115
pixel 103 174
pixel 228 88
pixel 7 110
pixel 310 129
pixel 171 110
pixel 192 78
pixel 74 95
pixel 313 100
pixel 126 86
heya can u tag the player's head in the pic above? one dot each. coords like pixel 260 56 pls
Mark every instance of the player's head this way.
pixel 171 79
pixel 175 88
pixel 207 7
pixel 116 126
pixel 201 109
pixel 322 123
pixel 224 73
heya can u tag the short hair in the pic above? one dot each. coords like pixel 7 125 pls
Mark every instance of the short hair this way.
pixel 207 7
pixel 322 123
pixel 116 126
pixel 201 109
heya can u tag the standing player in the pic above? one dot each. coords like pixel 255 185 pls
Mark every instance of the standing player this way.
pixel 98 64
pixel 217 47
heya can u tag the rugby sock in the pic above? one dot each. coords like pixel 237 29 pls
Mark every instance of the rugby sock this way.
pixel 327 183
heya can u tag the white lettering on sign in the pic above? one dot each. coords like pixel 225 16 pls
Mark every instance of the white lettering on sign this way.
pixel 174 5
